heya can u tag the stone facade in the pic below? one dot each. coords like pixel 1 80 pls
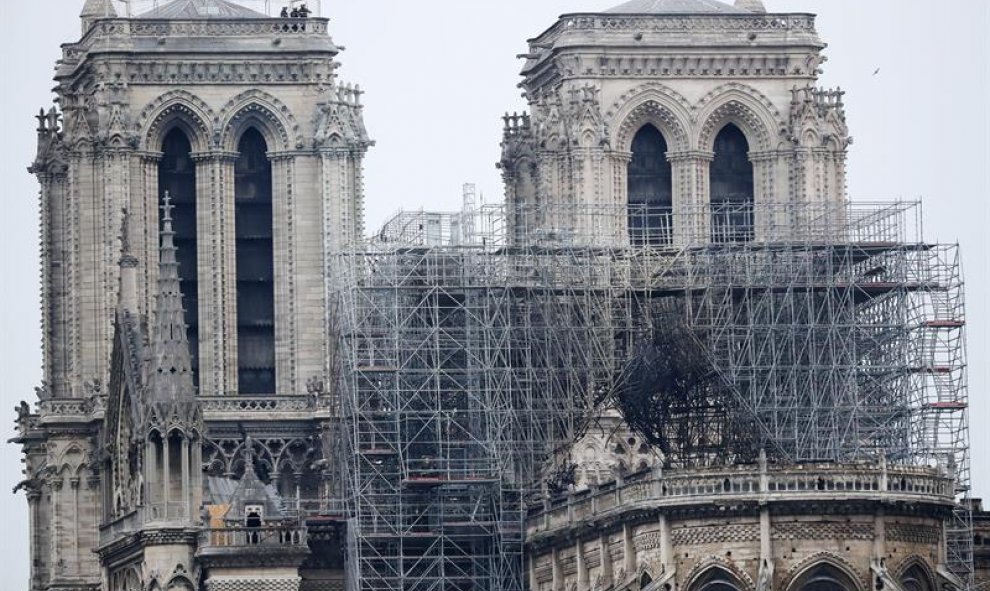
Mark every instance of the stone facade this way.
pixel 148 467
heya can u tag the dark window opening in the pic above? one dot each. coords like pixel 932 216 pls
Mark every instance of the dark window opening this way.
pixel 177 175
pixel 255 266
pixel 732 187
pixel 650 189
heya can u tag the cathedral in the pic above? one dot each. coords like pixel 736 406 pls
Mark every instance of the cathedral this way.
pixel 676 358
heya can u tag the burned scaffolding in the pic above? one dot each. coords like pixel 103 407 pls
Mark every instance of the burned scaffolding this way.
pixel 476 347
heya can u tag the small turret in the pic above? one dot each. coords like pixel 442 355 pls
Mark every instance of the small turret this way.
pixel 95 9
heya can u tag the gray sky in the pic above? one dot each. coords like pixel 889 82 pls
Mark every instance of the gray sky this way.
pixel 440 73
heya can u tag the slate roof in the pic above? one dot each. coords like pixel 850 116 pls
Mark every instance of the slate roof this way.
pixel 675 7
pixel 197 9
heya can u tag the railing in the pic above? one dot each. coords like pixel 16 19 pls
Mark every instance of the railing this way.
pixel 280 536
pixel 123 28
pixel 746 483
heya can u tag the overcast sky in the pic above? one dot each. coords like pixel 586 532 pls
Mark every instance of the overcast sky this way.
pixel 438 76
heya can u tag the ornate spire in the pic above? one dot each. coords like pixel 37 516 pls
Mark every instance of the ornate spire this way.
pixel 171 365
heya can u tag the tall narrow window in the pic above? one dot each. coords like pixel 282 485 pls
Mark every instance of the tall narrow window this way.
pixel 255 269
pixel 732 187
pixel 177 175
pixel 650 189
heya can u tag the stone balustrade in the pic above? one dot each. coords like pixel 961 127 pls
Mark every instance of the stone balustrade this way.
pixel 734 485
pixel 240 538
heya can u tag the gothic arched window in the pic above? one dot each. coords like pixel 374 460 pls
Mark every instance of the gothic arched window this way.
pixel 731 187
pixel 716 579
pixel 824 577
pixel 255 266
pixel 916 579
pixel 177 175
pixel 650 189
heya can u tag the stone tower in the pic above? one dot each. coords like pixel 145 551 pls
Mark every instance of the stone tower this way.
pixel 682 78
pixel 241 118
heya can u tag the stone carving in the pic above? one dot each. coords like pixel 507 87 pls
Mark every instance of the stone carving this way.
pixel 339 123
pixel 257 104
pixel 175 103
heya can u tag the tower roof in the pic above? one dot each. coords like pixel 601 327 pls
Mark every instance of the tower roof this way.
pixel 170 376
pixel 675 7
pixel 199 9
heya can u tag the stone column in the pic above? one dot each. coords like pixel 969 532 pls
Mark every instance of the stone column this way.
pixel 606 555
pixel 583 583
pixel 619 165
pixel 628 551
pixel 284 222
pixel 144 226
pixel 56 533
pixel 186 484
pixel 166 493
pixel 217 273
pixel 769 216
pixel 692 214
pixel 34 499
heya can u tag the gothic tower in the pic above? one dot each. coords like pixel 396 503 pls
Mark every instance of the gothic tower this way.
pixel 729 108
pixel 241 119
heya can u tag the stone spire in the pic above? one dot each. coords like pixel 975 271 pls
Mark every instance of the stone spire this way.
pixel 94 9
pixel 170 371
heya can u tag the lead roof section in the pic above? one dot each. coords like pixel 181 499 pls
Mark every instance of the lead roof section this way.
pixel 674 7
pixel 199 9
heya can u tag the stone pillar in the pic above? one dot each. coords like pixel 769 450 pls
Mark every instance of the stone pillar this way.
pixel 692 214
pixel 628 551
pixel 145 226
pixel 56 529
pixel 217 273
pixel 608 577
pixel 769 217
pixel 583 582
pixel 166 493
pixel 558 575
pixel 666 546
pixel 619 165
pixel 284 259
pixel 188 510
pixel 34 499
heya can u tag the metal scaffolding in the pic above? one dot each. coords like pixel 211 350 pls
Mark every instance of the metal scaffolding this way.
pixel 475 347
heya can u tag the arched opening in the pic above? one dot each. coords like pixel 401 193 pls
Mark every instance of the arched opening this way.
pixel 716 579
pixel 255 266
pixel 177 176
pixel 916 579
pixel 731 187
pixel 644 581
pixel 824 577
pixel 651 193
